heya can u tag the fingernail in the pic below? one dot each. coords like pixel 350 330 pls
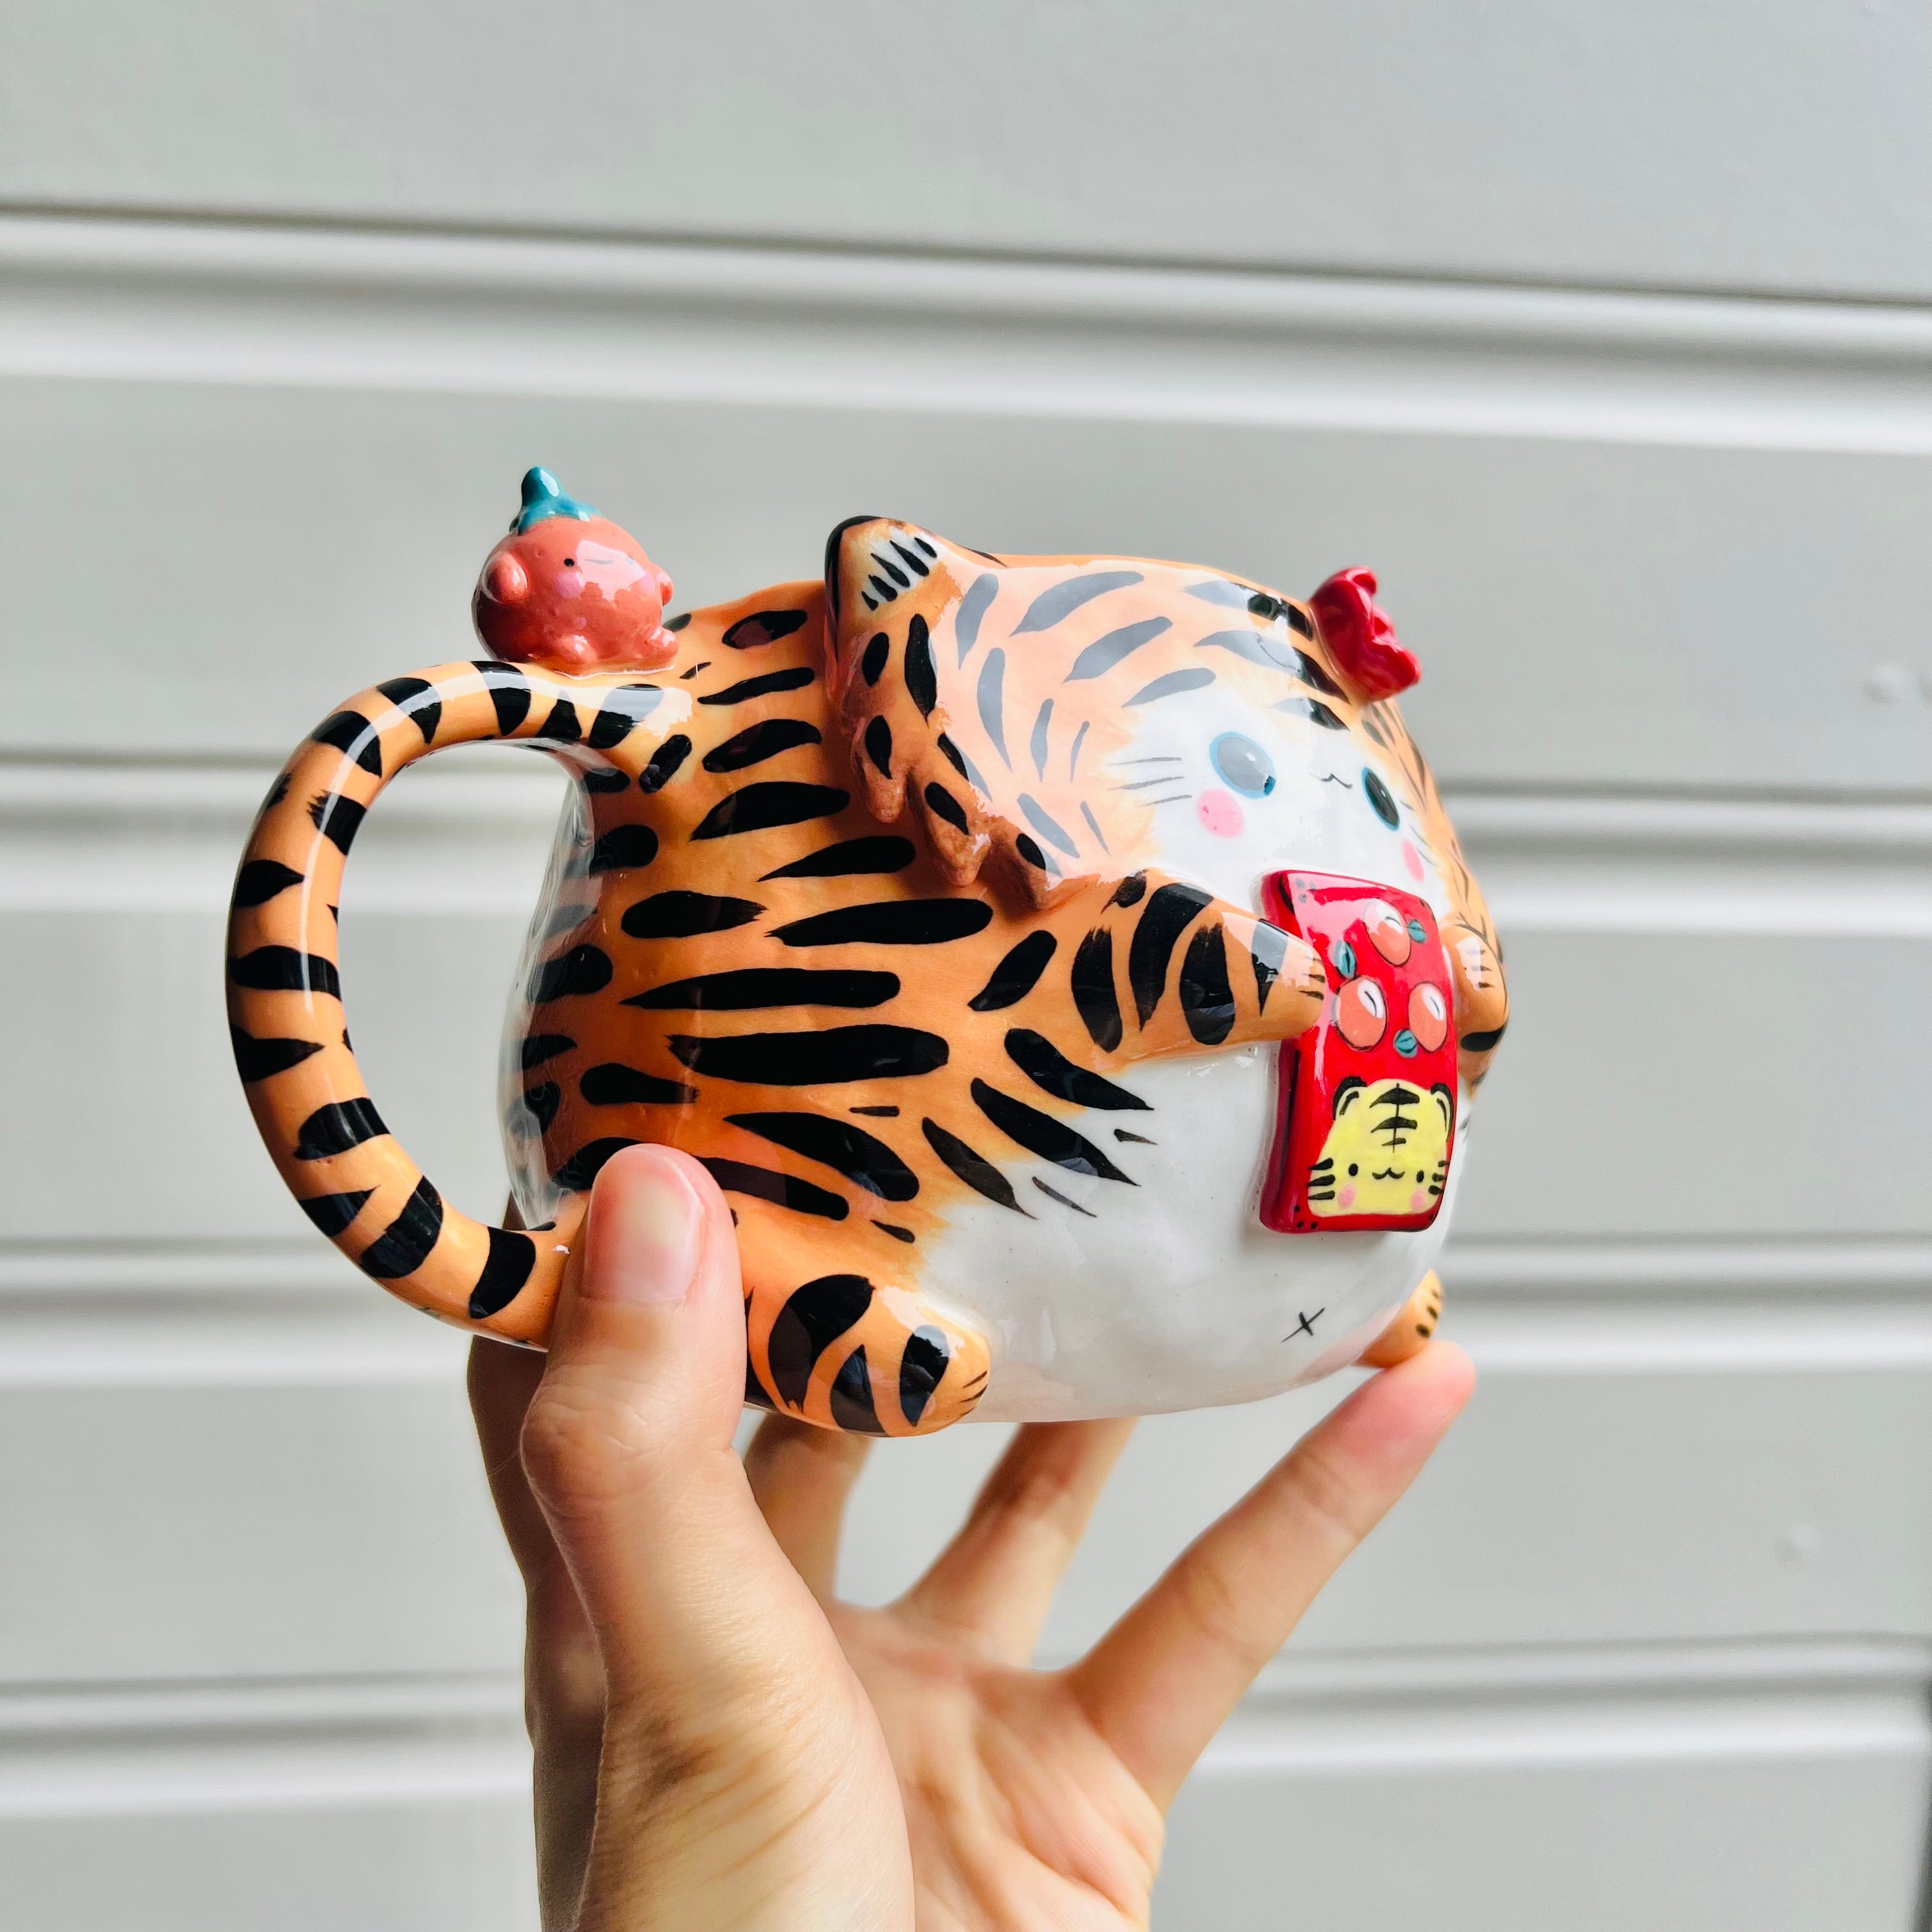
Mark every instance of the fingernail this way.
pixel 644 1232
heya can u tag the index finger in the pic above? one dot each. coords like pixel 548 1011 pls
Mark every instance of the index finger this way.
pixel 1161 1682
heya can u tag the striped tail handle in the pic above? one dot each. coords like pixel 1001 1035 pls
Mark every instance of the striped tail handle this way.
pixel 351 1176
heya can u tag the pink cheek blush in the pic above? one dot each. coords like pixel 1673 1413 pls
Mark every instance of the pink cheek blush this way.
pixel 1412 858
pixel 1344 1197
pixel 1219 815
pixel 567 584
pixel 1417 1201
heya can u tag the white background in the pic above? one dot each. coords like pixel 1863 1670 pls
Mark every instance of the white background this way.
pixel 1604 333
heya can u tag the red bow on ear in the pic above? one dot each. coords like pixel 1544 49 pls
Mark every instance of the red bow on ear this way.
pixel 1360 637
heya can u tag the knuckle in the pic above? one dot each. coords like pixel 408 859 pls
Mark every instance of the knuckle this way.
pixel 577 1445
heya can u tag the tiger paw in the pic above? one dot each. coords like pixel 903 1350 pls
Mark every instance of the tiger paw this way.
pixel 1408 1334
pixel 843 1354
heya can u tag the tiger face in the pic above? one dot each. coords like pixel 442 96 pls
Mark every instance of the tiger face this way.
pixel 1387 1152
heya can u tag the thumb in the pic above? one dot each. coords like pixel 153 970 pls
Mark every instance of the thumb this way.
pixel 627 1446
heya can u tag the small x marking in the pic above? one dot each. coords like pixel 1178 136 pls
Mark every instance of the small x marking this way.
pixel 1305 1324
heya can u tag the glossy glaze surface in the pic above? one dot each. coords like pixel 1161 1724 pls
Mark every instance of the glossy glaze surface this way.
pixel 929 905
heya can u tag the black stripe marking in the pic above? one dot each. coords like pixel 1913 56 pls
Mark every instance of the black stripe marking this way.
pixel 277 792
pixel 1048 828
pixel 832 547
pixel 683 915
pixel 922 676
pixel 404 1246
pixel 884 853
pixel 281 969
pixel 897 1233
pixel 562 727
pixel 350 732
pixel 890 923
pixel 1206 998
pixel 758 742
pixel 542 1102
pixel 333 1213
pixel 753 988
pixel 507 1268
pixel 862 1159
pixel 1094 995
pixel 1169 913
pixel 664 764
pixel 1268 949
pixel 827 1057
pixel 542 1046
pixel 1016 975
pixel 1171 685
pixel 1050 1070
pixel 813 1317
pixel 882 1113
pixel 576 1173
pixel 795 679
pixel 624 848
pixel 260 880
pixel 871 666
pixel 852 1406
pixel 760 808
pixel 678 623
pixel 1481 1043
pixel 947 807
pixel 583 969
pixel 953 755
pixel 974 1168
pixel 262 1059
pixel 1267 609
pixel 783 1190
pixel 1101 656
pixel 1062 599
pixel 1054 1194
pixel 603 778
pixel 891 570
pixel 992 698
pixel 624 710
pixel 1314 710
pixel 763 627
pixel 338 1127
pixel 1130 891
pixel 972 607
pixel 1037 744
pixel 613 1085
pixel 879 746
pixel 399 691
pixel 509 695
pixel 1041 1134
pixel 1140 1140
pixel 922 1369
pixel 337 818
pixel 1027 847
pixel 913 562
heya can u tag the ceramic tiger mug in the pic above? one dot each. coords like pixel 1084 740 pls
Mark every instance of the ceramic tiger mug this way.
pixel 1065 965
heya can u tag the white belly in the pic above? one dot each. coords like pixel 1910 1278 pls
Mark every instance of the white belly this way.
pixel 1173 1295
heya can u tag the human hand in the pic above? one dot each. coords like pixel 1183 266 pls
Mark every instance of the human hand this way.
pixel 720 1742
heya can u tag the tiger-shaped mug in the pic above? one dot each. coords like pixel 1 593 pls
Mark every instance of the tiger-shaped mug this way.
pixel 1065 965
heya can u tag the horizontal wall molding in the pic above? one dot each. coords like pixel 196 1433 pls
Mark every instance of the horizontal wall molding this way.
pixel 187 1314
pixel 128 1749
pixel 234 303
pixel 466 833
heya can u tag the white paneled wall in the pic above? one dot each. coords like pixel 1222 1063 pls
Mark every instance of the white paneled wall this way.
pixel 1602 334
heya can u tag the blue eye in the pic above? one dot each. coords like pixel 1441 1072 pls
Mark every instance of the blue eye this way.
pixel 1244 765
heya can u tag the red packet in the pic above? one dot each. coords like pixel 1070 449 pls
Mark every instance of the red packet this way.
pixel 1367 1095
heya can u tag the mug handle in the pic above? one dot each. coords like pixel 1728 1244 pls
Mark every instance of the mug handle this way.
pixel 350 1174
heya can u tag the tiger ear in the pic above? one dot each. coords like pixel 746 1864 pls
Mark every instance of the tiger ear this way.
pixel 1446 1100
pixel 1348 1091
